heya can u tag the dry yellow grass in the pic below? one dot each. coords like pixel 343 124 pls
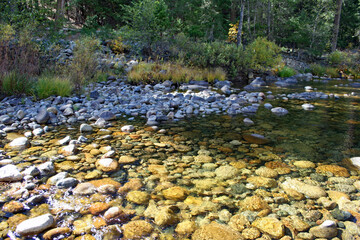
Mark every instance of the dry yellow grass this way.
pixel 159 72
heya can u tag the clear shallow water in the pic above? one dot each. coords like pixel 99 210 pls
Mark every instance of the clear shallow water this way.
pixel 326 135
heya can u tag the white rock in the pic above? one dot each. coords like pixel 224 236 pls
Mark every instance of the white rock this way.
pixel 85 128
pixel 35 225
pixel 65 140
pixel 128 128
pixel 20 143
pixel 355 161
pixel 279 111
pixel 307 106
pixel 248 122
pixel 308 88
pixel 10 173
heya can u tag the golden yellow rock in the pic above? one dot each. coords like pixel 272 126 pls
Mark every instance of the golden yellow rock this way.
pixel 304 164
pixel 13 207
pixel 239 164
pixel 157 169
pixel 137 229
pixel 271 226
pixel 138 197
pixel 127 160
pixel 186 227
pixel 336 196
pixel 98 207
pixel 132 185
pixel 262 182
pixel 239 222
pixel 51 234
pixel 99 222
pixel 337 171
pixel 176 193
pixel 254 203
pixel 216 231
pixel 105 181
pixel 190 200
pixel 83 225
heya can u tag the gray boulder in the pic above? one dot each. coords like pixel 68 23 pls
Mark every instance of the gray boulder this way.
pixel 43 116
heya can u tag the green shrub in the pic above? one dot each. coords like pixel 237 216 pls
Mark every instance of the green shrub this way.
pixel 209 55
pixel 7 33
pixel 335 58
pixel 332 72
pixel 263 54
pixel 84 64
pixel 49 85
pixel 317 69
pixel 14 83
pixel 286 72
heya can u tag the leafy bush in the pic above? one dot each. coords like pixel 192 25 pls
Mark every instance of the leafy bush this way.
pixel 19 54
pixel 335 58
pixel 49 85
pixel 118 46
pixel 209 55
pixel 84 64
pixel 14 83
pixel 286 72
pixel 233 31
pixel 317 69
pixel 7 33
pixel 263 54
pixel 332 72
pixel 156 72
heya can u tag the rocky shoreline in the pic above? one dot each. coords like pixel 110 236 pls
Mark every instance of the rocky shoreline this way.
pixel 109 180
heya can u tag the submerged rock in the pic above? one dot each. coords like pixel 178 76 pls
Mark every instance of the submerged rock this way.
pixel 35 225
pixel 326 230
pixel 137 229
pixel 271 226
pixel 10 173
pixel 19 144
pixel 308 190
pixel 279 111
pixel 256 138
pixel 216 231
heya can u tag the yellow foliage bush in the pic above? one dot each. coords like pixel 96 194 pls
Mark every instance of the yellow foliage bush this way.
pixel 118 47
pixel 232 34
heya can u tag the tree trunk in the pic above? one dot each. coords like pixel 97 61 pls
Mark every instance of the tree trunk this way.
pixel 336 25
pixel 249 19
pixel 240 24
pixel 269 19
pixel 60 7
pixel 232 12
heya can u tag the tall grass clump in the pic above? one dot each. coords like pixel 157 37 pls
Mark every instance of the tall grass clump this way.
pixel 50 85
pixel 14 83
